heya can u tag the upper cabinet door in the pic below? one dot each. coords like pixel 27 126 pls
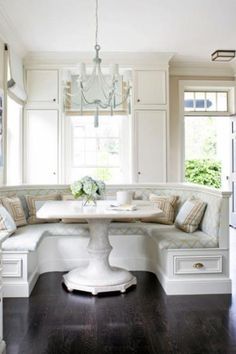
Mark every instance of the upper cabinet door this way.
pixel 42 87
pixel 150 88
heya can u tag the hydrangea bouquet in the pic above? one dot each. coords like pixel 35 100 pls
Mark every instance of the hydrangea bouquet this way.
pixel 88 188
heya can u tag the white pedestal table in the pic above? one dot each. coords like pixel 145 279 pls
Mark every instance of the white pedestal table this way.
pixel 99 276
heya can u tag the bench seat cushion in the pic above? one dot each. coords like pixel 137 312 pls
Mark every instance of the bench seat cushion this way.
pixel 169 237
pixel 27 238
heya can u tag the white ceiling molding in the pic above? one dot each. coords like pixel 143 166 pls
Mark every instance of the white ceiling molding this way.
pixel 233 66
pixel 201 68
pixel 9 35
pixel 125 59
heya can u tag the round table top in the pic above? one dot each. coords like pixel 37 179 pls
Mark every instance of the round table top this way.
pixel 103 210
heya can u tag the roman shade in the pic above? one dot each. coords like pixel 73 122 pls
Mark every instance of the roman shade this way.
pixel 15 79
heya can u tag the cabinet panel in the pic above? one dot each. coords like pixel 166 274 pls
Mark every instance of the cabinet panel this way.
pixel 151 146
pixel 41 154
pixel 150 87
pixel 42 86
pixel 12 268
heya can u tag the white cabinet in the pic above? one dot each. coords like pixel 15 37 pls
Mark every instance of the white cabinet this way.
pixel 42 87
pixel 41 146
pixel 150 88
pixel 150 146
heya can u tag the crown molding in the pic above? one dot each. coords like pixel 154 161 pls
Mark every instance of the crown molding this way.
pixel 130 59
pixel 9 35
pixel 233 66
pixel 201 68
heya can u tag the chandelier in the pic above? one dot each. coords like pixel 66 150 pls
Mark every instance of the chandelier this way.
pixel 98 91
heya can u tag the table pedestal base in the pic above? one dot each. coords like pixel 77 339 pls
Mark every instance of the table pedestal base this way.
pixel 99 276
pixel 119 281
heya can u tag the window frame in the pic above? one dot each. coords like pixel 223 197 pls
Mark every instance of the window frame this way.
pixel 201 85
pixel 69 154
pixel 205 110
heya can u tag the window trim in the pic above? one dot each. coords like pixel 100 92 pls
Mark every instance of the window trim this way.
pixel 69 151
pixel 202 85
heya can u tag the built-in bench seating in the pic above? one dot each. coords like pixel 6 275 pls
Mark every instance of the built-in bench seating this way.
pixel 185 263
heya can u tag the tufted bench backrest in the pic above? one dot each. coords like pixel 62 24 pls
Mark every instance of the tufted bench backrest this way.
pixel 212 219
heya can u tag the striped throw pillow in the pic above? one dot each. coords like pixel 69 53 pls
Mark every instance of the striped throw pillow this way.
pixel 167 204
pixel 34 202
pixel 190 215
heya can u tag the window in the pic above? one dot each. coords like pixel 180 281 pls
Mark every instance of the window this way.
pixel 205 101
pixel 207 150
pixel 14 142
pixel 103 152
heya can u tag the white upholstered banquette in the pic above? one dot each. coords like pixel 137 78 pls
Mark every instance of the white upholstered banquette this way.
pixel 184 263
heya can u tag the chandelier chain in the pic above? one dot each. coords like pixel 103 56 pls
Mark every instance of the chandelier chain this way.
pixel 96 17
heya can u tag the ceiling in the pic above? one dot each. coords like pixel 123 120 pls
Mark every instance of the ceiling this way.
pixel 191 29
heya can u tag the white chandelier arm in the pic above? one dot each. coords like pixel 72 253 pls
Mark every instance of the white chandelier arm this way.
pixel 125 97
pixel 87 84
pixel 102 88
pixel 85 99
pixel 103 80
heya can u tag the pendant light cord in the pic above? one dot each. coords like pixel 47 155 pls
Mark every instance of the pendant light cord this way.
pixel 96 17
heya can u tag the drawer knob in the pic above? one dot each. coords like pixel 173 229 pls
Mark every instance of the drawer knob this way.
pixel 198 265
pixel 138 100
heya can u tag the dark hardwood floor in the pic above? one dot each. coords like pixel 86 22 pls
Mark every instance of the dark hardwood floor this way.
pixel 144 320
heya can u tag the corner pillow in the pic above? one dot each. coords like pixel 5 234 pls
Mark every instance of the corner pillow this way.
pixel 167 204
pixel 190 215
pixel 14 207
pixel 6 221
pixel 34 202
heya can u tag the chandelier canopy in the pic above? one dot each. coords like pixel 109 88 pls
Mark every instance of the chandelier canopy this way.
pixel 97 90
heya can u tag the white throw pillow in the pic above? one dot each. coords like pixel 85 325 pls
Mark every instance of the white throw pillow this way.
pixel 190 215
pixel 6 221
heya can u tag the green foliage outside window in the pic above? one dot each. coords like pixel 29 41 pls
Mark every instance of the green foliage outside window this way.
pixel 206 172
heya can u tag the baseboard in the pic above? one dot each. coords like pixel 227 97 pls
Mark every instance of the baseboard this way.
pixel 33 279
pixel 16 290
pixel 198 287
pixel 20 289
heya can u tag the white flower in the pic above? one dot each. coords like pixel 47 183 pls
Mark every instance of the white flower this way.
pixel 87 187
